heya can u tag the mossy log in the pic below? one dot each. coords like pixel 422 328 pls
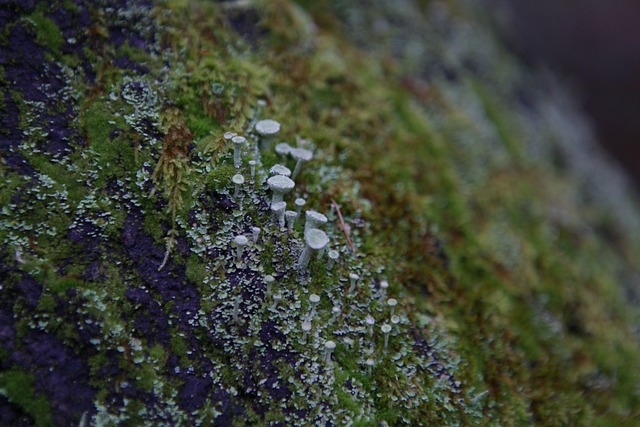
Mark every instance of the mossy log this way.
pixel 484 253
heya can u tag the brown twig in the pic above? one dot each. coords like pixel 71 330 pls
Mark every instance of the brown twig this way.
pixel 344 227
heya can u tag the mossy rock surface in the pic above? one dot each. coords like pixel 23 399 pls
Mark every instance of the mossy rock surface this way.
pixel 487 270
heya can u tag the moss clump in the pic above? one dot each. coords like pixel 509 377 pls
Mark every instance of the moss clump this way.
pixel 47 32
pixel 109 139
pixel 195 269
pixel 61 285
pixel 17 386
pixel 220 177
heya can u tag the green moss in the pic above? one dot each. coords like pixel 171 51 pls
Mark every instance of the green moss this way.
pixel 96 120
pixel 499 117
pixel 17 386
pixel 365 423
pixel 220 177
pixel 195 269
pixel 157 353
pixel 201 126
pixel 46 303
pixel 47 32
pixel 345 399
pixel 146 377
pixel 179 346
pixel 96 363
pixel 134 54
pixel 70 6
pixel 61 285
pixel 152 225
pixel 116 155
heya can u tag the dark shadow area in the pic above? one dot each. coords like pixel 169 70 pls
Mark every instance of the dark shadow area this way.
pixel 596 44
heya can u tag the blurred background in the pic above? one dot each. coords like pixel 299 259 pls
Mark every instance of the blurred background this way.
pixel 595 45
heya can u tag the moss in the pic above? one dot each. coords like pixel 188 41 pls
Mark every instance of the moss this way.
pixel 146 376
pixel 47 32
pixel 17 386
pixel 61 285
pixel 136 55
pixel 499 118
pixel 345 399
pixel 365 423
pixel 220 177
pixel 153 226
pixel 67 180
pixel 70 5
pixel 98 124
pixel 46 303
pixel 157 353
pixel 107 136
pixel 11 183
pixel 96 363
pixel 195 269
pixel 179 347
pixel 201 126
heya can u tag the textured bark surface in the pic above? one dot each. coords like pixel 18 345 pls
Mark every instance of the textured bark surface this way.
pixel 447 170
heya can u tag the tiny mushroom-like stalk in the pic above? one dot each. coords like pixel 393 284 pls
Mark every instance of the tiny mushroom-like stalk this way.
pixel 395 319
pixel 306 327
pixel 279 185
pixel 290 217
pixel 255 234
pixel 354 281
pixel 333 256
pixel 314 240
pixel 299 204
pixel 302 155
pixel 329 347
pixel 228 136
pixel 370 362
pixel 282 149
pixel 386 328
pixel 236 309
pixel 83 420
pixel 241 242
pixel 238 141
pixel 278 210
pixel 238 180
pixel 279 169
pixel 336 313
pixel 252 165
pixel 392 302
pixel 384 285
pixel 314 300
pixel 314 219
pixel 370 321
pixel 276 299
pixel 268 280
pixel 267 129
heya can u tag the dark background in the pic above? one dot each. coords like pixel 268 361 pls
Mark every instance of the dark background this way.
pixel 596 45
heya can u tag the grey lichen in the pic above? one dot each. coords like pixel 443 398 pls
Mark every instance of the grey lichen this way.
pixel 314 240
pixel 279 185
